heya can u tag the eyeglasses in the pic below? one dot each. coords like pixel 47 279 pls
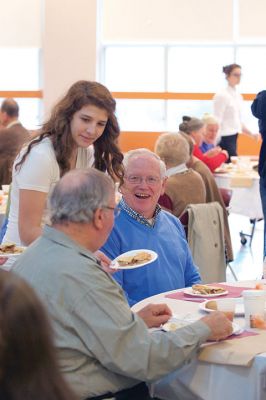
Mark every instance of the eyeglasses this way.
pixel 150 180
pixel 116 210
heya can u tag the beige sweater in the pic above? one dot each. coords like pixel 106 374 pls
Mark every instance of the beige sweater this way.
pixel 185 188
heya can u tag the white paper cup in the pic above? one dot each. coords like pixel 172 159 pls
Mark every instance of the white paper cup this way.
pixel 254 306
pixel 234 159
pixel 5 189
pixel 227 307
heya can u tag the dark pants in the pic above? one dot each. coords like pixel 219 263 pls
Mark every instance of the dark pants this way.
pixel 263 203
pixel 138 392
pixel 229 143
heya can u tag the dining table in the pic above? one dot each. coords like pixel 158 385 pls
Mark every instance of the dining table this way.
pixel 243 179
pixel 234 368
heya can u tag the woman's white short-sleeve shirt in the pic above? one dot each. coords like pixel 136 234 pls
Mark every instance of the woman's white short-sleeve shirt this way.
pixel 40 172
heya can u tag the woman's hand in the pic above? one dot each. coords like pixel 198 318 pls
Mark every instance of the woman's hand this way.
pixel 213 152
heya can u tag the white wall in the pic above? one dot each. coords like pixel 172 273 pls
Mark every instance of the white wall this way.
pixel 167 20
pixel 69 45
pixel 20 23
pixel 182 20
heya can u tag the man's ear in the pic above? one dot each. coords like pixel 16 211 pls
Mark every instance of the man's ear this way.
pixel 163 185
pixel 98 219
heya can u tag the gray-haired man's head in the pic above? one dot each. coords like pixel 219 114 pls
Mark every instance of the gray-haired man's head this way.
pixel 78 194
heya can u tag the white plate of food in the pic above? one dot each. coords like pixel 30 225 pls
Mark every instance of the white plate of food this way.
pixel 11 250
pixel 178 321
pixel 212 305
pixel 134 259
pixel 199 290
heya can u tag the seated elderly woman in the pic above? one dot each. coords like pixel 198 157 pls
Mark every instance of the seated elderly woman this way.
pixel 195 128
pixel 183 186
pixel 208 145
pixel 212 191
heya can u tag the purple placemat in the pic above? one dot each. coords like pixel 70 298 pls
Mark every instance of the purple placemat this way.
pixel 233 292
pixel 242 335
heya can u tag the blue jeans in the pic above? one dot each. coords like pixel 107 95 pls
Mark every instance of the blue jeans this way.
pixel 3 229
pixel 263 202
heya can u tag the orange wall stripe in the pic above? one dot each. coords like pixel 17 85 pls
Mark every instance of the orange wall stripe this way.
pixel 134 140
pixel 170 96
pixel 127 95
pixel 22 93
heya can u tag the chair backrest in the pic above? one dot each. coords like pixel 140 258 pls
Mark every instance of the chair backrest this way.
pixel 184 221
pixel 205 234
pixel 226 195
pixel 166 202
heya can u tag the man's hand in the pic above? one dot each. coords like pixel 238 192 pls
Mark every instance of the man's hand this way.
pixel 219 325
pixel 155 315
pixel 3 260
pixel 105 262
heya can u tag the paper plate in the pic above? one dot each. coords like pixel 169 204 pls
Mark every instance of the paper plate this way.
pixel 115 264
pixel 239 311
pixel 20 248
pixel 189 291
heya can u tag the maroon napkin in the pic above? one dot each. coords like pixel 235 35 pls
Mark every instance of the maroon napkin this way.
pixel 233 292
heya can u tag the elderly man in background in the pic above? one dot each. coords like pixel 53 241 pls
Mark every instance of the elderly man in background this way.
pixel 104 349
pixel 142 224
pixel 12 137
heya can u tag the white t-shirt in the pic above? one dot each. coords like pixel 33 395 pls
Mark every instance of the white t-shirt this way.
pixel 40 172
pixel 227 108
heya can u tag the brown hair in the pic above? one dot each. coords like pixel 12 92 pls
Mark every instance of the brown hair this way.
pixel 228 69
pixel 107 155
pixel 28 368
pixel 189 141
pixel 190 124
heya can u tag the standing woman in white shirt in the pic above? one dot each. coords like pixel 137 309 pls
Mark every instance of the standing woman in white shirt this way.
pixel 84 116
pixel 227 109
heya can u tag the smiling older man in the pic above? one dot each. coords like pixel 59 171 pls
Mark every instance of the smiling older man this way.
pixel 142 224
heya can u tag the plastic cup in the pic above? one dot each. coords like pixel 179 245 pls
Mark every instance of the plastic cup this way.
pixel 254 306
pixel 5 189
pixel 227 307
pixel 234 159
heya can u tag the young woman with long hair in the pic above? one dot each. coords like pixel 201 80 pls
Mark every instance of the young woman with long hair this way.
pixel 81 132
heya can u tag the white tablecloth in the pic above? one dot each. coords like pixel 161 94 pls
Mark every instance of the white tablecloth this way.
pixel 200 380
pixel 245 200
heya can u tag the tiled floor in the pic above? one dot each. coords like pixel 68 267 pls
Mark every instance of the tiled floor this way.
pixel 248 259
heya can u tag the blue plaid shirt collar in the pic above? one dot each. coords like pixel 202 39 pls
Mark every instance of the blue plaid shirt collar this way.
pixel 138 217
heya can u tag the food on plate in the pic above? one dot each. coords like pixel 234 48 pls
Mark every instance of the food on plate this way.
pixel 257 321
pixel 172 326
pixel 259 286
pixel 138 258
pixel 205 289
pixel 211 305
pixel 10 248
